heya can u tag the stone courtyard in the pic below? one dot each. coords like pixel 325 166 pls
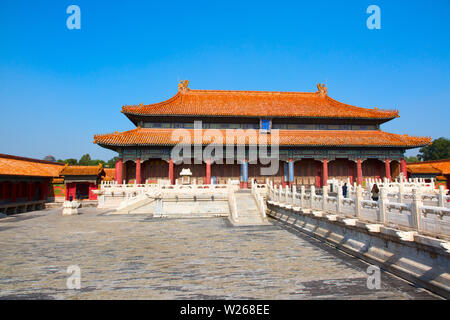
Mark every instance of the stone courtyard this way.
pixel 139 257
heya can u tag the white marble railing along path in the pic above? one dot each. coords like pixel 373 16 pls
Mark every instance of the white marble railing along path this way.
pixel 257 192
pixel 427 214
pixel 132 190
pixel 399 185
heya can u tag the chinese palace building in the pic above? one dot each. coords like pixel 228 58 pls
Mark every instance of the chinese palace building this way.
pixel 318 138
pixel 28 184
pixel 25 183
pixel 433 169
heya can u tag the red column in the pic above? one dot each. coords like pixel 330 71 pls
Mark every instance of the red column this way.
pixel 3 194
pixel 138 171
pixel 13 192
pixel 171 177
pixel 359 172
pixel 387 164
pixel 119 175
pixel 403 168
pixel 208 171
pixel 115 171
pixel 325 171
pixel 44 187
pixel 29 191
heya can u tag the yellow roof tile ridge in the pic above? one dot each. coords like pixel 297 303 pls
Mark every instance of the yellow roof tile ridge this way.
pixel 374 110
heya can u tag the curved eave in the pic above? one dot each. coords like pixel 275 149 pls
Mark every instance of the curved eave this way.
pixel 111 146
pixel 254 116
pixel 288 138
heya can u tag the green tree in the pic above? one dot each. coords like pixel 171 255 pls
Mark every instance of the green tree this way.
pixel 96 162
pixel 70 161
pixel 112 162
pixel 84 160
pixel 439 149
pixel 412 159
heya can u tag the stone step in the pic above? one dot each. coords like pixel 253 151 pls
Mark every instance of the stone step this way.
pixel 247 210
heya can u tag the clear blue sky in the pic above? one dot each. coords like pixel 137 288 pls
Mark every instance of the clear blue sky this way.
pixel 59 87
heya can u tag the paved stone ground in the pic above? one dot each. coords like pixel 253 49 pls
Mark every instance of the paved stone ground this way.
pixel 137 257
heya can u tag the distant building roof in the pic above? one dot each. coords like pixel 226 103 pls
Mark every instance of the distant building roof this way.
pixel 426 168
pixel 69 170
pixel 441 167
pixel 21 166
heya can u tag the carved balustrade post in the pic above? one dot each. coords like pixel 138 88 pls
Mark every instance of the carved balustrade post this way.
pixel 441 196
pixel 359 197
pixel 382 202
pixel 294 193
pixel 313 193
pixel 302 195
pixel 401 190
pixel 339 198
pixel 416 209
pixel 324 198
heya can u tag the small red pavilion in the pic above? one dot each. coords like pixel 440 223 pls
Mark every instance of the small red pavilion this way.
pixel 81 181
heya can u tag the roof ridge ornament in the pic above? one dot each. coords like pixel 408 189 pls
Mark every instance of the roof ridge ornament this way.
pixel 322 89
pixel 183 85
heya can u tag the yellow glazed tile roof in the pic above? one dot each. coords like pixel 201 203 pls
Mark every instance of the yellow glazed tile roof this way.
pixel 21 166
pixel 256 104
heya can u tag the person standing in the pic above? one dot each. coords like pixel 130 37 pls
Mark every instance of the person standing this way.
pixel 375 192
pixel 344 190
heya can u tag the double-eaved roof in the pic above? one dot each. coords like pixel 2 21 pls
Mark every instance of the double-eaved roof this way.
pixel 318 104
pixel 260 104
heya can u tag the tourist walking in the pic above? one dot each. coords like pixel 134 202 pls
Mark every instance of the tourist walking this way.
pixel 344 190
pixel 375 192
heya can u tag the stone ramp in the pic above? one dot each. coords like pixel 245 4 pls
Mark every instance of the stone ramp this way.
pixel 247 210
pixel 136 205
